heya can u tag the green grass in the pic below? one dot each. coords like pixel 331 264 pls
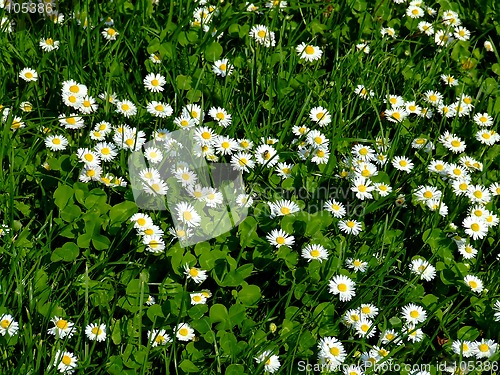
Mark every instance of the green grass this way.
pixel 72 252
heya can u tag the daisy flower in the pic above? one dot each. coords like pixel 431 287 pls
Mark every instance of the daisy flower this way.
pixel 96 332
pixel 414 314
pixel 396 114
pixel 426 28
pixel 483 119
pixel 184 332
pixel 110 33
pixel 314 252
pixel 474 283
pixel 363 188
pixel 487 137
pixel 187 214
pixel 284 170
pixel 278 238
pixel 488 46
pixel 464 348
pixel 8 325
pixel 28 75
pixel 461 33
pixel 394 100
pixel 126 108
pixel 106 151
pixel 159 109
pixel 56 142
pixel 266 155
pixel 449 80
pixel 158 337
pixel 66 362
pixel 88 105
pixel 72 121
pixel 350 227
pixel 155 58
pixel 309 52
pixel 154 243
pixel 479 194
pixel 485 348
pixel 213 197
pixel 342 286
pixel 388 31
pixel 369 310
pixel 402 163
pixel 331 349
pixel 195 274
pixel 263 36
pixel 320 156
pixel 475 228
pixel 49 44
pixel 433 97
pixel 221 116
pixel 363 92
pixel 337 209
pixel 194 112
pixel 150 301
pixel 154 82
pixel 270 360
pixel 242 161
pixel 424 269
pixel 414 12
pixel 222 68
pixel 89 157
pixel 467 251
pixel 185 121
pixel 496 307
pixel 283 208
pixel 62 328
pixel 320 115
pixel 356 264
pixel 198 299
pixel 443 38
pixel 365 328
pixel 90 174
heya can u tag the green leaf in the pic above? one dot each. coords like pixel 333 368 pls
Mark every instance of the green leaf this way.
pixel 68 253
pixel 218 314
pixel 155 311
pixel 100 242
pixel 235 370
pixel 249 295
pixel 213 51
pixel 62 195
pixel 122 212
pixel 188 366
pixel 183 82
pixel 70 213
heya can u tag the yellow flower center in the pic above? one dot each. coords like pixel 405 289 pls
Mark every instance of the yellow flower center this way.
pixel 56 141
pixel 66 360
pixel 159 108
pixel 125 107
pixel 5 324
pixel 155 82
pixel 483 347
pixel 187 216
pixel 285 210
pixel 183 332
pixel 309 50
pixel 62 324
pixel 414 314
pixel 96 331
pixel 472 284
pixel 71 120
pixel 261 34
pixel 334 351
pixel 342 287
pixel 193 272
pixel 475 227
pixel 455 143
pixel 220 115
pixel 222 67
pixel 141 221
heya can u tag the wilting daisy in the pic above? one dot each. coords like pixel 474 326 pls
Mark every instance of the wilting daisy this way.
pixel 184 332
pixel 270 360
pixel 309 52
pixel 96 332
pixel 314 252
pixel 342 286
pixel 62 328
pixel 474 283
pixel 158 337
pixel 350 227
pixel 278 238
pixel 28 75
pixel 8 325
pixel 66 362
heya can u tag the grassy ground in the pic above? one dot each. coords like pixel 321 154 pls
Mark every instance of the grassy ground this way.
pixel 69 249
